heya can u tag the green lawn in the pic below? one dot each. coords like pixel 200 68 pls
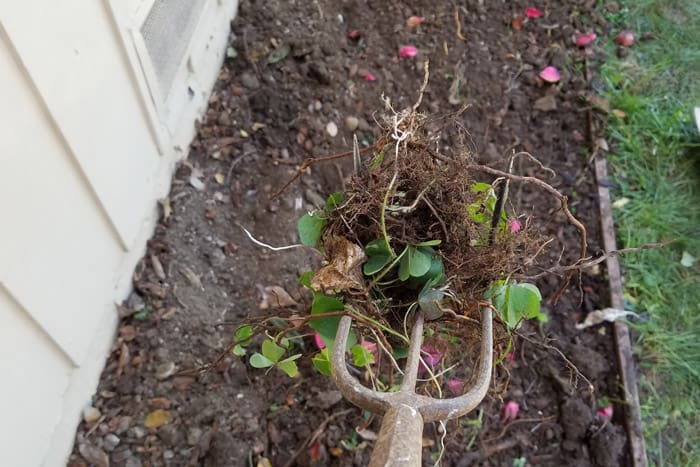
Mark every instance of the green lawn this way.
pixel 655 161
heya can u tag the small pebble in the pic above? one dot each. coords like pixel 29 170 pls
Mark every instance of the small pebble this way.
pixel 137 432
pixel 168 454
pixel 351 123
pixel 91 414
pixel 164 370
pixel 332 129
pixel 94 455
pixel 110 441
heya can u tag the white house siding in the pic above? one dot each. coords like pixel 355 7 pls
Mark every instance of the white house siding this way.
pixel 88 142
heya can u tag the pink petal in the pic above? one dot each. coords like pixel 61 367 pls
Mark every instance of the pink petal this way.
pixel 408 51
pixel 354 34
pixel 431 357
pixel 510 356
pixel 585 39
pixel 455 386
pixel 510 411
pixel 533 12
pixel 624 38
pixel 514 225
pixel 606 412
pixel 550 74
pixel 414 21
pixel 319 342
pixel 370 77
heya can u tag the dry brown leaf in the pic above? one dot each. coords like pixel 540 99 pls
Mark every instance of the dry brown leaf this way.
pixel 220 178
pixel 277 297
pixel 167 210
pixel 344 270
pixel 159 403
pixel 257 126
pixel 124 358
pixel 157 418
pixel 157 267
pixel 216 155
pixel 192 277
pixel 127 333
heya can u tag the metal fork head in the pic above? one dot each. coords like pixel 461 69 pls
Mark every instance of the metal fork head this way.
pixel 405 411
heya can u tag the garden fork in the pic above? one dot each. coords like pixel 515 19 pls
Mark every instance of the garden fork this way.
pixel 400 438
pixel 401 435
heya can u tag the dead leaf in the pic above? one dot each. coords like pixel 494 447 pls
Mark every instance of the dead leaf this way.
pixel 599 102
pixel 368 435
pixel 545 104
pixel 315 452
pixel 264 462
pixel 606 314
pixel 169 313
pixel 157 267
pixel 336 451
pixel 517 23
pixel 220 178
pixel 257 126
pixel 216 155
pixel 123 358
pixel 276 297
pixel 602 144
pixel 619 113
pixel 124 312
pixel 195 177
pixel 244 133
pixel 344 270
pixel 159 403
pixel 167 210
pixel 192 277
pixel 181 383
pixel 127 333
pixel 157 418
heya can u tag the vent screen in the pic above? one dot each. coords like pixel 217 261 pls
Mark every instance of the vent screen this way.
pixel 166 33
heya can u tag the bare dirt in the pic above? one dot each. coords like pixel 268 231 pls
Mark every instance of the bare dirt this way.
pixel 295 67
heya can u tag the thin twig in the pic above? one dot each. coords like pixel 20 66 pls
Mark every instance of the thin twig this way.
pixel 515 422
pixel 459 26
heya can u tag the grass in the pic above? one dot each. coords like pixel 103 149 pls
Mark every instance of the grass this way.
pixel 655 162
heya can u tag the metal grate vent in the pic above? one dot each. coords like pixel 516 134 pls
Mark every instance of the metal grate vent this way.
pixel 166 32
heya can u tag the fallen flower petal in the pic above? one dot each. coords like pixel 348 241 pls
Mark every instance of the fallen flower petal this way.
pixel 370 77
pixel 624 38
pixel 550 74
pixel 510 411
pixel 354 34
pixel 606 412
pixel 510 356
pixel 319 342
pixel 514 226
pixel 455 386
pixel 533 12
pixel 408 51
pixel 586 39
pixel 517 23
pixel 414 21
pixel 431 356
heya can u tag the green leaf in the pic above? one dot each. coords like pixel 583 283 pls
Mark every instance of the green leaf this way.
pixel 272 351
pixel 524 300
pixel 415 263
pixel 322 362
pixel 327 327
pixel 377 161
pixel 243 334
pixel 305 279
pixel 480 187
pixel 435 242
pixel 289 367
pixel 310 226
pixel 334 200
pixel 361 355
pixel 400 352
pixel 260 361
pixel 325 304
pixel 238 350
pixel 378 254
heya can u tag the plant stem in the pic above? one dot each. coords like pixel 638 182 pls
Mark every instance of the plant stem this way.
pixel 377 323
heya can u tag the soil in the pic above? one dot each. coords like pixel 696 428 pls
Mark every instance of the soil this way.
pixel 295 67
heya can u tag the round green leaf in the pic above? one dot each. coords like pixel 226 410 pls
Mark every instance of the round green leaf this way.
pixel 260 361
pixel 310 226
